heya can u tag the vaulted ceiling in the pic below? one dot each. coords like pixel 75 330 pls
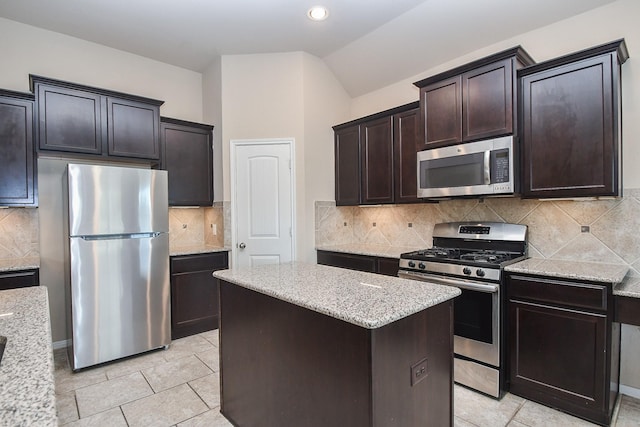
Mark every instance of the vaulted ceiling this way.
pixel 367 43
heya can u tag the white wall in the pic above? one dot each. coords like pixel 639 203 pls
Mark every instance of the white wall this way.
pixel 29 50
pixel 212 113
pixel 611 22
pixel 326 103
pixel 287 95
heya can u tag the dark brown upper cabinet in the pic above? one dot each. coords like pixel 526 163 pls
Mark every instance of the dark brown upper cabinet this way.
pixel 570 124
pixel 406 144
pixel 471 102
pixel 89 122
pixel 188 158
pixel 18 172
pixel 347 165
pixel 375 157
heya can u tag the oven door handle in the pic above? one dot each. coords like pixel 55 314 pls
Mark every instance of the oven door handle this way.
pixel 462 284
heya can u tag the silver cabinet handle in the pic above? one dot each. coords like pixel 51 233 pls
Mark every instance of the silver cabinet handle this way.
pixel 242 245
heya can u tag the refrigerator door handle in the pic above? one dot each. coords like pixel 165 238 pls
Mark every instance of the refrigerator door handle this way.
pixel 121 236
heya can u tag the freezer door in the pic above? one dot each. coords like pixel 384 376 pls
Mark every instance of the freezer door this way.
pixel 110 200
pixel 120 297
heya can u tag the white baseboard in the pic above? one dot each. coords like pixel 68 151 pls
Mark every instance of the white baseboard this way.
pixel 630 391
pixel 57 345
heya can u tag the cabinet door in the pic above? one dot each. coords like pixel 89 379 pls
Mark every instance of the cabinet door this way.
pixel 133 129
pixel 70 120
pixel 194 293
pixel 376 156
pixel 406 137
pixel 188 159
pixel 441 111
pixel 557 357
pixel 347 159
pixel 487 101
pixel 17 174
pixel 568 130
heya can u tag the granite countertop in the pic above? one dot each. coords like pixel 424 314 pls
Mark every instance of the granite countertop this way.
pixel 196 249
pixel 19 264
pixel 371 250
pixel 27 387
pixel 580 270
pixel 630 287
pixel 363 299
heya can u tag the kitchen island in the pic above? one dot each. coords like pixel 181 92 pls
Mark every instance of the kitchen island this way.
pixel 312 345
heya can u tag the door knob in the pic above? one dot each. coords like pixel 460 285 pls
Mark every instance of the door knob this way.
pixel 242 245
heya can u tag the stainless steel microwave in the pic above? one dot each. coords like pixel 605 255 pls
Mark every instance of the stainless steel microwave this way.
pixel 475 168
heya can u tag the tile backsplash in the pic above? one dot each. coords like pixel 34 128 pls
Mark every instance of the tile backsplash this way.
pixel 587 230
pixel 195 226
pixel 20 231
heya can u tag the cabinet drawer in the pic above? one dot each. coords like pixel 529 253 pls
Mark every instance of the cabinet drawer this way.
pixel 572 294
pixel 350 261
pixel 19 279
pixel 199 262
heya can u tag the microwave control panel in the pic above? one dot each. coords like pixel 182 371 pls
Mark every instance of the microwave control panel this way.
pixel 500 166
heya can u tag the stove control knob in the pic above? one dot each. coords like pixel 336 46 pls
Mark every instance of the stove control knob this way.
pixel 412 264
pixel 466 271
pixel 422 266
pixel 480 273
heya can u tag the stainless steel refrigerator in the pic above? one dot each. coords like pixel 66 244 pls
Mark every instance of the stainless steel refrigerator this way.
pixel 117 262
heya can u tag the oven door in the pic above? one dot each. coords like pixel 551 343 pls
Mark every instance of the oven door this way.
pixel 476 316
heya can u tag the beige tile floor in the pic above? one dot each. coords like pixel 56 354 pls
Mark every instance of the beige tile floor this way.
pixel 180 387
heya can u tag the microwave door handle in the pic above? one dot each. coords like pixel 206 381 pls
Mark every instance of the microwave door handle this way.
pixel 487 167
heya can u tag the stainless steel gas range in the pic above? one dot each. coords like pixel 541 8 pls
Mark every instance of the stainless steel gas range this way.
pixel 471 256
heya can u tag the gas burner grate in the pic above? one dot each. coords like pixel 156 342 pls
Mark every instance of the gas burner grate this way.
pixel 492 257
pixel 436 252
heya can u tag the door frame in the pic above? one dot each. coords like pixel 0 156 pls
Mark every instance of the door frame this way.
pixel 234 144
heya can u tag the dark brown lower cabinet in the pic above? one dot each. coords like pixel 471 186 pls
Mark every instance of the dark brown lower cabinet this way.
pixel 19 279
pixel 564 346
pixel 284 365
pixel 371 264
pixel 194 293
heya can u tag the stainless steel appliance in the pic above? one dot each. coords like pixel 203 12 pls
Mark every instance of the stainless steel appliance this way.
pixel 471 256
pixel 475 168
pixel 117 262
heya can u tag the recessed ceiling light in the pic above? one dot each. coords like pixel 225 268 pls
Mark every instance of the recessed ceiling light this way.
pixel 318 13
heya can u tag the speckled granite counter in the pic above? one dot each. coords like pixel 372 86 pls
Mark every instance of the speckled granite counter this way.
pixel 597 272
pixel 19 264
pixel 364 299
pixel 630 287
pixel 371 250
pixel 27 390
pixel 195 249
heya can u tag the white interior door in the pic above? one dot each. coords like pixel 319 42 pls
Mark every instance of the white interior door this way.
pixel 263 202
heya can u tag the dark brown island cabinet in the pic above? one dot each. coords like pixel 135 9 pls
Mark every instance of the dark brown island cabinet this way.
pixel 18 171
pixel 187 149
pixel 194 292
pixel 375 157
pixel 564 345
pixel 286 365
pixel 19 278
pixel 571 124
pixel 371 264
pixel 471 102
pixel 84 121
